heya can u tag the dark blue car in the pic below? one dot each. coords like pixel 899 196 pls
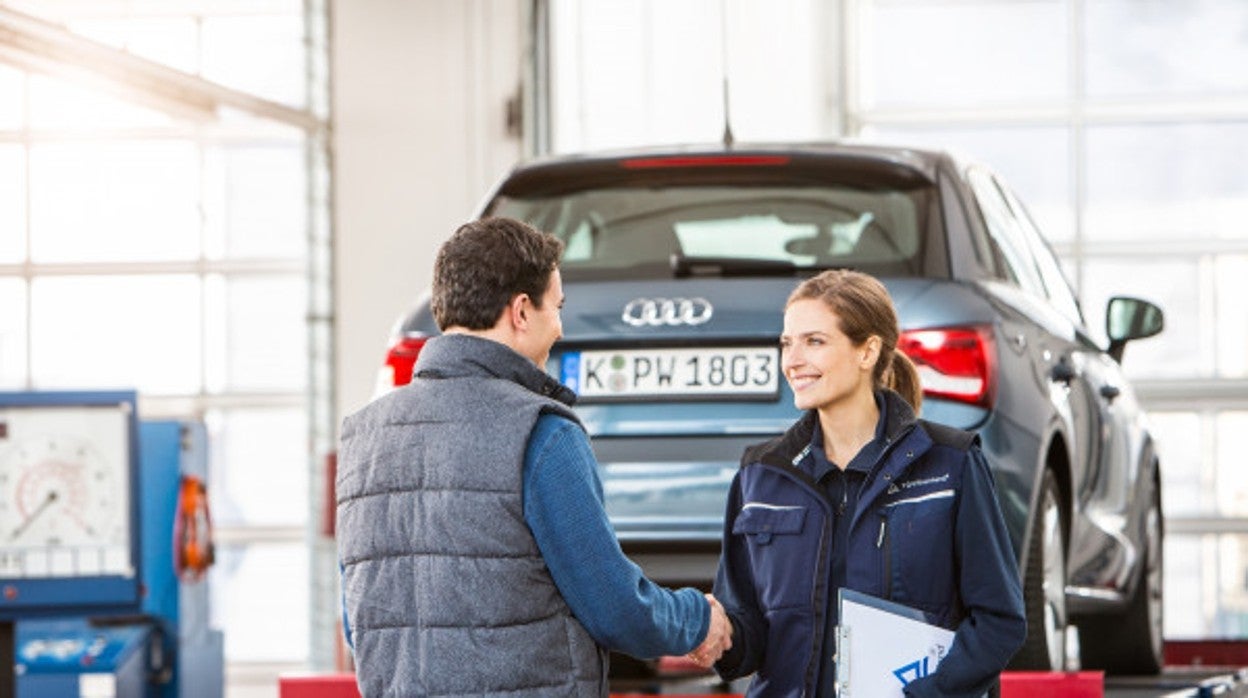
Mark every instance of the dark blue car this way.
pixel 677 267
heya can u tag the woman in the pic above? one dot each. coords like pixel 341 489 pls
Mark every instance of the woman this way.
pixel 861 494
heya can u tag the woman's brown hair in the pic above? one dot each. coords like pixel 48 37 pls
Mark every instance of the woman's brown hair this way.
pixel 864 308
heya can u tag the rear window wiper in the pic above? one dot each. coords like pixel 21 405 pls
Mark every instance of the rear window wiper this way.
pixel 683 267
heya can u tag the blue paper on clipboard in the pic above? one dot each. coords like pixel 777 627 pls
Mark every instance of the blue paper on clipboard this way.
pixel 881 646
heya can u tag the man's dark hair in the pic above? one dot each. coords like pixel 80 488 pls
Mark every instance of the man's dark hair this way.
pixel 484 264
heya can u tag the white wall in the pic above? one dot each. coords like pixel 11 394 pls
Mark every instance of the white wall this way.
pixel 419 96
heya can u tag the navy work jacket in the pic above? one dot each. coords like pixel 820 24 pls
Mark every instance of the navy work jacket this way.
pixel 927 532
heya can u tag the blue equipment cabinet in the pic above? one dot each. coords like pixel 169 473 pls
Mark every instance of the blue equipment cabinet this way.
pixel 75 658
pixel 89 575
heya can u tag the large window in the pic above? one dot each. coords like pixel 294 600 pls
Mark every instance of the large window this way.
pixel 169 253
pixel 1127 155
pixel 653 71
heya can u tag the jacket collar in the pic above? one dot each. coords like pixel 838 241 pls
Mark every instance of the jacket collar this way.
pixel 793 445
pixel 464 355
pixel 901 418
pixel 903 445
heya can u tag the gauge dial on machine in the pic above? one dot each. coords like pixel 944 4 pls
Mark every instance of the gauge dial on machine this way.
pixel 64 493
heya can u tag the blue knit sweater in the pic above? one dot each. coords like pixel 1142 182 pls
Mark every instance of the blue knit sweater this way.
pixel 607 592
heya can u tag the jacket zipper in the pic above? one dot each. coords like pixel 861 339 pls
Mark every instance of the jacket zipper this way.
pixel 890 446
pixel 883 541
pixel 885 545
pixel 815 661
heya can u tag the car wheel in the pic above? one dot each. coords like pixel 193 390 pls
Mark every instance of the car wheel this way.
pixel 1131 643
pixel 1044 586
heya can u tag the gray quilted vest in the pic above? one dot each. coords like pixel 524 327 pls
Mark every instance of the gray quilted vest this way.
pixel 445 589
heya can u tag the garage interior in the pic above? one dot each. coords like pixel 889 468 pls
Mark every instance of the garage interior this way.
pixel 225 205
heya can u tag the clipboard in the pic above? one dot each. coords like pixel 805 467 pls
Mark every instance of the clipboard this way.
pixel 881 646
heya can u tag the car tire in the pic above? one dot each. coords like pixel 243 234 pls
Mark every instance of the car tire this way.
pixel 1131 642
pixel 1044 585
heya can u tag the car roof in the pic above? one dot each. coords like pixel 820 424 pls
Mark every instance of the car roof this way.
pixel 854 162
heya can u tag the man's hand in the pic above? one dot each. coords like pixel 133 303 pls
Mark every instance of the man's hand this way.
pixel 718 637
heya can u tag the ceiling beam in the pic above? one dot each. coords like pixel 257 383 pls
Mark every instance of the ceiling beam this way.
pixel 32 44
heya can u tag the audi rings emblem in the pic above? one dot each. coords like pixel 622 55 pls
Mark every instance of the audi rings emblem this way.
pixel 658 312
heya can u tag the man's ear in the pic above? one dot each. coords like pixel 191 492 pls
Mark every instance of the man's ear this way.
pixel 516 310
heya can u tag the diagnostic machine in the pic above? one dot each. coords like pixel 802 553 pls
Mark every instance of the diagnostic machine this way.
pixel 105 538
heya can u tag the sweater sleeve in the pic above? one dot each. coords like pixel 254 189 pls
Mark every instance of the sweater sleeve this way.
pixel 619 606
pixel 346 622
pixel 995 625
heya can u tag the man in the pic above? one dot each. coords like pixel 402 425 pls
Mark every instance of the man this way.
pixel 477 556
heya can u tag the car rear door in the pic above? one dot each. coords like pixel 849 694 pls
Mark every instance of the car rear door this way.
pixel 1063 371
pixel 1107 429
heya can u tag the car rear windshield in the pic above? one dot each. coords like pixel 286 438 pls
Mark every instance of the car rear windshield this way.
pixel 623 232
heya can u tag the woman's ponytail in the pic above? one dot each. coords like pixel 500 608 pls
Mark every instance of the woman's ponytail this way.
pixel 902 377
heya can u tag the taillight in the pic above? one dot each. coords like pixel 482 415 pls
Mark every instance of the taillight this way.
pixel 401 358
pixel 954 363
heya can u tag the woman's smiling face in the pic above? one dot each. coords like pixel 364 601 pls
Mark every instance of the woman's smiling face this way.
pixel 821 364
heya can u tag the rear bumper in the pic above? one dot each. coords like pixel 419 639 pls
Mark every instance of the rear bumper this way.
pixel 676 563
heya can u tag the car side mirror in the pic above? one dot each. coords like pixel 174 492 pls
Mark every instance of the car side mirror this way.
pixel 1130 318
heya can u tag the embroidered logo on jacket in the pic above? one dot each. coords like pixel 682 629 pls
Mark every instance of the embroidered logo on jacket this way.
pixel 909 484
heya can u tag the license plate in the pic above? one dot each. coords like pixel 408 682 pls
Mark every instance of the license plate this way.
pixel 649 373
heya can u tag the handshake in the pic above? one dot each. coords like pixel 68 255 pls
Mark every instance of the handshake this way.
pixel 718 637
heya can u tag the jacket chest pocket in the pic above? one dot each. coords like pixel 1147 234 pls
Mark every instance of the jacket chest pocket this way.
pixel 919 549
pixel 777 539
pixel 762 522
